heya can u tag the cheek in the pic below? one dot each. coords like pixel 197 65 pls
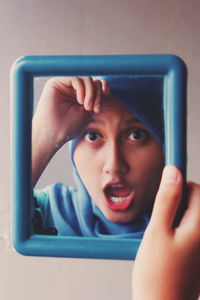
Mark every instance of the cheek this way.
pixel 154 162
pixel 154 166
pixel 147 166
pixel 153 156
pixel 147 159
pixel 87 168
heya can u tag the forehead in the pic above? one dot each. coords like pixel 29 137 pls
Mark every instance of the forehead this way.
pixel 110 102
pixel 113 109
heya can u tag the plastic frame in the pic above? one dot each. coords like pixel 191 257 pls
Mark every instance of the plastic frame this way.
pixel 171 67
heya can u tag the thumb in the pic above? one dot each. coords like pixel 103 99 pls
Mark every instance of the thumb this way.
pixel 168 198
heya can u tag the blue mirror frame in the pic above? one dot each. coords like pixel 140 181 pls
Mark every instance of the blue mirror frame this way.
pixel 23 71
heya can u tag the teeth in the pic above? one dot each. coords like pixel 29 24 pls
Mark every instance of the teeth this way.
pixel 117 199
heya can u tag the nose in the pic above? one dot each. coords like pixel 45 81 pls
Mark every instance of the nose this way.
pixel 114 160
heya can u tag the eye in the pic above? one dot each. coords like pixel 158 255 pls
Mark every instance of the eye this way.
pixel 92 136
pixel 138 135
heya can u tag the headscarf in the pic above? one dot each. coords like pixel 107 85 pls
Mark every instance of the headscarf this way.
pixel 143 96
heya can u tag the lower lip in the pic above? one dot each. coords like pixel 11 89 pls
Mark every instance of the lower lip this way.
pixel 124 205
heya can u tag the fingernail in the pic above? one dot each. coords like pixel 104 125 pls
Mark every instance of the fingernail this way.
pixel 80 99
pixel 170 174
pixel 88 106
pixel 97 108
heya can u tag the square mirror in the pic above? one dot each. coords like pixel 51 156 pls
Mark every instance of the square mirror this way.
pixel 117 154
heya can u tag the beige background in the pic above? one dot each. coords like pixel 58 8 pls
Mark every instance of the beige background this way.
pixel 86 27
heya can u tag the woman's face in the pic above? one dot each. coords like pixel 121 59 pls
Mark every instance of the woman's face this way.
pixel 119 162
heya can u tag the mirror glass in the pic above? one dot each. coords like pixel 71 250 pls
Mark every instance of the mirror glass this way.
pixel 96 173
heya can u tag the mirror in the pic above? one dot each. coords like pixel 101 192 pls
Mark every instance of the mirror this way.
pixel 117 155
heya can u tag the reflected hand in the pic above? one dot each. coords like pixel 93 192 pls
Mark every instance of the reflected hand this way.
pixel 64 109
pixel 167 265
pixel 66 105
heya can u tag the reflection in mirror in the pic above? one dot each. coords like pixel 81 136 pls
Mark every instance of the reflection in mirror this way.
pixel 113 128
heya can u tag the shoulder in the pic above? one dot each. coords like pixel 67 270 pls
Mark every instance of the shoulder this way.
pixel 57 197
pixel 55 190
pixel 54 196
pixel 58 204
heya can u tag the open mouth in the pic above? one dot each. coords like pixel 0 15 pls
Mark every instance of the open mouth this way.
pixel 118 196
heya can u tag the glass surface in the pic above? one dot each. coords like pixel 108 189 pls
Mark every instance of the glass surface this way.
pixel 118 154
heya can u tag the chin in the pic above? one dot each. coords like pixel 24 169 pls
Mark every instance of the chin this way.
pixel 120 217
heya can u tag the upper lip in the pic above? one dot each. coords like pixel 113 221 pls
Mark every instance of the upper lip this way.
pixel 116 182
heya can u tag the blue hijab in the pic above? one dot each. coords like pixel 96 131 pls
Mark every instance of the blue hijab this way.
pixel 73 211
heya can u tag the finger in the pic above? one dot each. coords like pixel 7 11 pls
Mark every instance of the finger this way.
pixel 98 97
pixel 105 87
pixel 71 86
pixel 89 93
pixel 79 87
pixel 167 198
pixel 191 216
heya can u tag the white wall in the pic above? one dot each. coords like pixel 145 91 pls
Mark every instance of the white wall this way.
pixel 86 27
